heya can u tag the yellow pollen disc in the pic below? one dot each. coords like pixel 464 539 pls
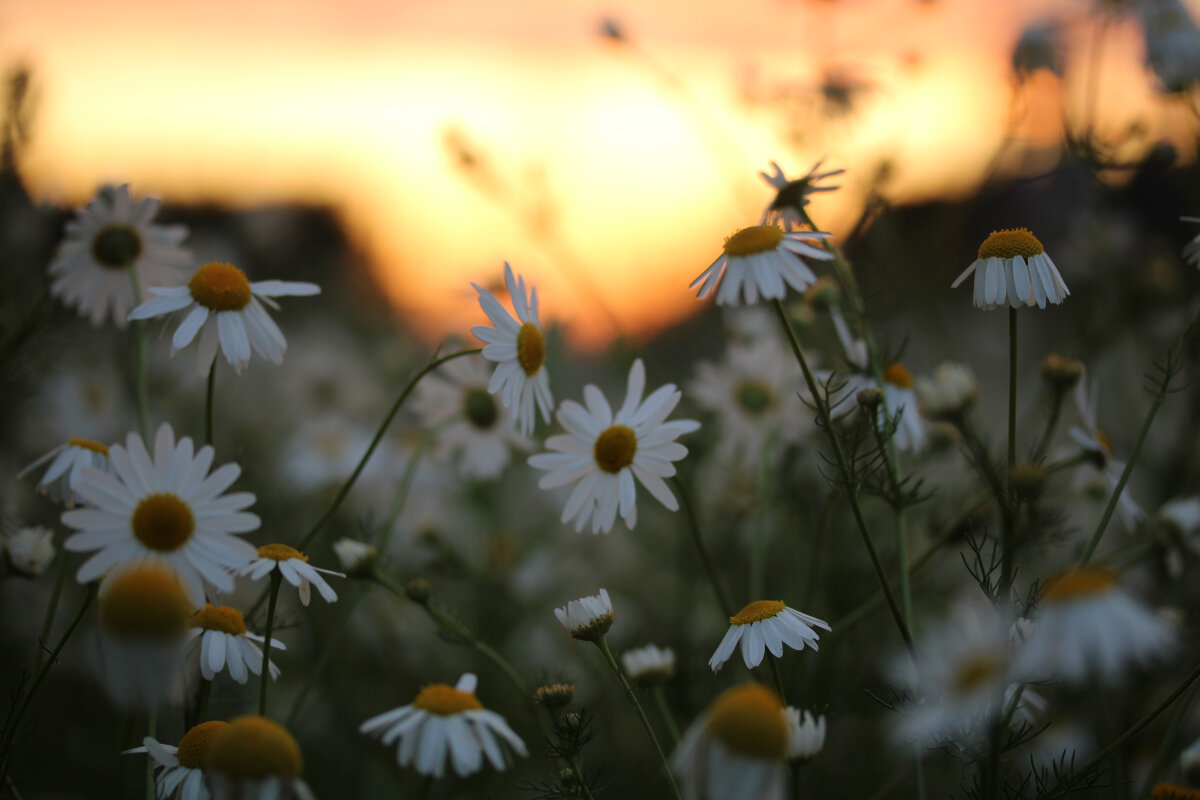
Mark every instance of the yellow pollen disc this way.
pixel 218 618
pixel 144 601
pixel 1104 441
pixel 445 701
pixel 615 448
pixel 193 747
pixel 1077 583
pixel 280 552
pixel 88 444
pixel 163 522
pixel 1174 791
pixel 750 720
pixel 758 239
pixel 531 348
pixel 220 287
pixel 898 375
pixel 975 673
pixel 758 611
pixel 1011 243
pixel 254 747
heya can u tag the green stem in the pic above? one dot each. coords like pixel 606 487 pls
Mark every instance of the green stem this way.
pixel 1056 404
pixel 152 732
pixel 1012 387
pixel 616 671
pixel 52 609
pixel 143 363
pixel 887 448
pixel 848 479
pixel 660 699
pixel 773 663
pixel 689 512
pixel 573 762
pixel 410 472
pixel 208 402
pixel 326 655
pixel 276 579
pixel 1167 747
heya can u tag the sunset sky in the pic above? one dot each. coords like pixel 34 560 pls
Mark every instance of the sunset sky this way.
pixel 454 136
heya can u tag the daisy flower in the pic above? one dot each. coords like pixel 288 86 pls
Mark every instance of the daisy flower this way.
pixel 30 550
pixel 519 350
pixel 295 569
pixel 1085 625
pixel 109 245
pixel 587 618
pixel 766 625
pixel 1176 525
pixel 357 558
pixel 759 260
pixel 225 643
pixel 792 195
pixel 255 757
pixel 737 748
pixel 806 735
pixel 447 724
pixel 1012 269
pixel 182 766
pixel 143 610
pixel 223 307
pixel 166 509
pixel 322 451
pixel 1191 250
pixel 61 479
pixel 649 665
pixel 949 394
pixel 472 427
pixel 602 453
pixel 1097 444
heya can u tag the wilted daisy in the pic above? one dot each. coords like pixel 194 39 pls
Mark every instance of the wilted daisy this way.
pixel 1013 269
pixel 1097 444
pixel 1085 625
pixel 806 735
pixel 168 509
pixel 766 625
pixel 519 350
pixel 183 766
pixel 602 453
pixel 224 643
pixel 447 724
pixel 949 394
pixel 295 569
pixel 760 260
pixel 30 550
pixel 109 245
pixel 1175 528
pixel 737 748
pixel 792 195
pixel 255 757
pixel 224 307
pixel 587 618
pixel 142 615
pixel 471 426
pixel 61 479
pixel 649 665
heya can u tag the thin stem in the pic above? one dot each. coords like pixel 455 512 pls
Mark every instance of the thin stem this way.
pixel 1168 743
pixel 573 762
pixel 887 447
pixel 152 732
pixel 616 671
pixel 143 361
pixel 1012 387
pixel 1056 404
pixel 208 402
pixel 410 472
pixel 328 648
pixel 847 476
pixel 689 511
pixel 660 699
pixel 773 663
pixel 52 609
pixel 276 579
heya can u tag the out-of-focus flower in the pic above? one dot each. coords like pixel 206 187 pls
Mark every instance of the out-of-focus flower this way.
pixel 760 260
pixel 766 625
pixel 295 569
pixel 949 394
pixel 602 453
pixel 792 195
pixel 447 724
pixel 354 556
pixel 649 665
pixel 1086 626
pixel 183 766
pixel 224 308
pixel 587 618
pixel 1172 44
pixel 1060 372
pixel 1097 444
pixel 224 643
pixel 62 477
pixel 168 509
pixel 519 350
pixel 255 757
pixel 1013 269
pixel 109 245
pixel 323 451
pixel 806 735
pixel 1175 528
pixel 30 550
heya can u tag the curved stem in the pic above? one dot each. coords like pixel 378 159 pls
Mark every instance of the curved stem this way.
pixel 773 663
pixel 52 609
pixel 327 651
pixel 410 472
pixel 616 671
pixel 1012 388
pixel 689 511
pixel 276 579
pixel 208 402
pixel 660 699
pixel 1056 404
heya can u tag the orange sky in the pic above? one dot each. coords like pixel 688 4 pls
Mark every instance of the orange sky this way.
pixel 609 175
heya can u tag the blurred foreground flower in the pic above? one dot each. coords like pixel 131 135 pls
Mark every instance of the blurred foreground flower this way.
pixel 61 479
pixel 224 307
pixel 183 766
pixel 30 550
pixel 806 735
pixel 254 757
pixel 766 625
pixel 109 246
pixel 759 260
pixel 601 453
pixel 649 665
pixel 1012 269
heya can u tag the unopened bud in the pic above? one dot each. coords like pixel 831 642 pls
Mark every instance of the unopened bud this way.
pixel 1061 372
pixel 554 695
pixel 1027 480
pixel 418 590
pixel 870 398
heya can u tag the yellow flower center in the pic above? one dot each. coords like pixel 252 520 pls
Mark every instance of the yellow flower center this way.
pixel 1077 583
pixel 898 375
pixel 754 397
pixel 1173 791
pixel 163 522
pixel 615 448
pixel 1010 243
pixel 975 673
pixel 254 747
pixel 88 444
pixel 194 744
pixel 757 611
pixel 144 601
pixel 757 239
pixel 220 287
pixel 531 348
pixel 116 246
pixel 446 701
pixel 280 552
pixel 219 618
pixel 750 720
